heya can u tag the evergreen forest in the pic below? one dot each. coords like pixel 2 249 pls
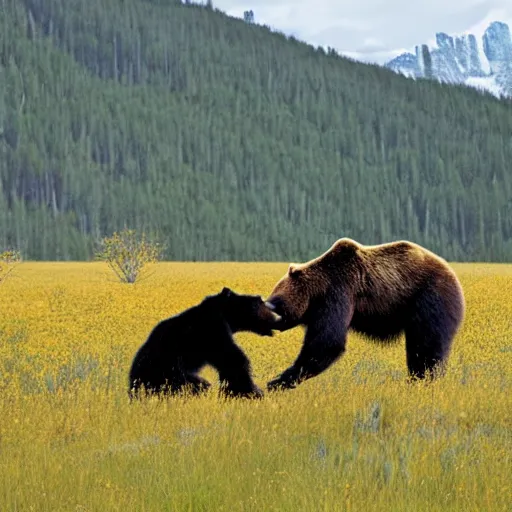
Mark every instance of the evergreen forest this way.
pixel 226 140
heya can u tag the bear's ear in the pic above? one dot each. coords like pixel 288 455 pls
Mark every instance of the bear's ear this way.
pixel 293 270
pixel 226 292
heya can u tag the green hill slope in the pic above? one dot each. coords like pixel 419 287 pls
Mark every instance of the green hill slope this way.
pixel 231 142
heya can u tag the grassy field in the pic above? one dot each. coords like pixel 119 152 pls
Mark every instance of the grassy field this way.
pixel 355 438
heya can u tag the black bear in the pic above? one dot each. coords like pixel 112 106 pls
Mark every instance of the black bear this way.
pixel 178 347
pixel 380 291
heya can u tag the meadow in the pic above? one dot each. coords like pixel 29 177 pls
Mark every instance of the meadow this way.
pixel 356 438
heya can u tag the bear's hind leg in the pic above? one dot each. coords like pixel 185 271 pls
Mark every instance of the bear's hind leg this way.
pixel 426 355
pixel 430 333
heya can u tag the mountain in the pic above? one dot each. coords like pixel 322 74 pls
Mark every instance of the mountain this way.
pixel 228 141
pixel 460 60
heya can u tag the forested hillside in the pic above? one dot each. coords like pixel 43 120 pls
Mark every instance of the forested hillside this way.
pixel 231 142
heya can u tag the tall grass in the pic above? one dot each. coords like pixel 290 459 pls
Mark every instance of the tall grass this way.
pixel 355 438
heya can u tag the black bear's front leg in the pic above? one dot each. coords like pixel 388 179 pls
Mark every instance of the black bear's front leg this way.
pixel 324 343
pixel 234 371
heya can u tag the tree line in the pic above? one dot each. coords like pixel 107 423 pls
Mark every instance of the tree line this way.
pixel 229 141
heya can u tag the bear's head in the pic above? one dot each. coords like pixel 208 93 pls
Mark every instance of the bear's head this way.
pixel 248 313
pixel 294 292
pixel 305 283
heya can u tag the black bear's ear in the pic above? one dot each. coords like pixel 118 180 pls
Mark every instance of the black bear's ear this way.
pixel 226 292
pixel 293 270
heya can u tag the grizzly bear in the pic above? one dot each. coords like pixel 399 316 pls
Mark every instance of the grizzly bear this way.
pixel 380 291
pixel 178 347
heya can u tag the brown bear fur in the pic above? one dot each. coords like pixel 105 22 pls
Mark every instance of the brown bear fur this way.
pixel 380 291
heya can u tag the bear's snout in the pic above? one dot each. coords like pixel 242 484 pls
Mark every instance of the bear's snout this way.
pixel 276 317
pixel 278 307
pixel 276 304
pixel 271 315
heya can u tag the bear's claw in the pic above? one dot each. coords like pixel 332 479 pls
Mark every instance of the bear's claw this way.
pixel 280 385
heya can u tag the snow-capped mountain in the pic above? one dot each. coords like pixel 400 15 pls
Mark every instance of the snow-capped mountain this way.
pixel 460 59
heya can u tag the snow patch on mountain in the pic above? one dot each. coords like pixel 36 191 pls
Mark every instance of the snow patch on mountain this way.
pixel 462 60
pixel 485 83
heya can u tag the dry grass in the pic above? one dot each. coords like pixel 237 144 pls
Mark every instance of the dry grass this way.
pixel 355 438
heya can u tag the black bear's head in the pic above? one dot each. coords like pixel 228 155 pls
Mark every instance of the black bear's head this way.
pixel 248 313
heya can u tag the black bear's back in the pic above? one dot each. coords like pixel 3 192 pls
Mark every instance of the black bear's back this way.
pixel 186 337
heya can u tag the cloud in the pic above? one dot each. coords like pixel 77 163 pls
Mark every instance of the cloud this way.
pixel 372 45
pixel 372 30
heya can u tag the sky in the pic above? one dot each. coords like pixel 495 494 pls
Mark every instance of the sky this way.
pixel 373 30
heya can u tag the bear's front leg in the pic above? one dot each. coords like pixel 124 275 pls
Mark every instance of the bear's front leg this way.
pixel 291 377
pixel 324 343
pixel 229 391
pixel 287 380
pixel 234 372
